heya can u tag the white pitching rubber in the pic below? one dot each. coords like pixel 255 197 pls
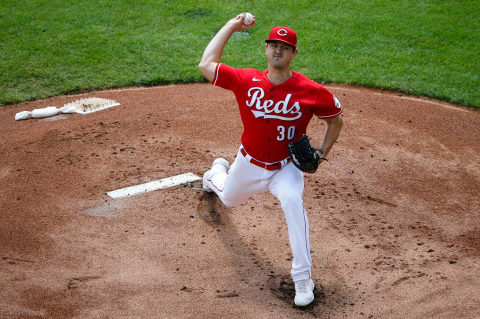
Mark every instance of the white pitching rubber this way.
pixel 155 185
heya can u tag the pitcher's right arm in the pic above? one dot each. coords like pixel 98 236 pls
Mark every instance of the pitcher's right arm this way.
pixel 213 52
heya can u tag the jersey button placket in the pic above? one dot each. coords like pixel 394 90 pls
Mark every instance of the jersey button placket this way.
pixel 269 97
pixel 267 124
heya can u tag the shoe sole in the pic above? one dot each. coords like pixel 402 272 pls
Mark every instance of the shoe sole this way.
pixel 305 305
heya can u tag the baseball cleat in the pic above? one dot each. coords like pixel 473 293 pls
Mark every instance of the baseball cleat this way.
pixel 304 292
pixel 205 186
pixel 218 164
pixel 221 161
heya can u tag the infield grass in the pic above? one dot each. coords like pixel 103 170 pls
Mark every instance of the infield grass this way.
pixel 429 48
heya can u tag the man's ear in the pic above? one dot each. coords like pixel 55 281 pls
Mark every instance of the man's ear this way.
pixel 295 52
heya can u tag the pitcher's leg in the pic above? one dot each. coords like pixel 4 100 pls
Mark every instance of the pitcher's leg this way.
pixel 237 184
pixel 287 185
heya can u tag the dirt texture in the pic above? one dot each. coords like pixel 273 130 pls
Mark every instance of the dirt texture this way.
pixel 394 214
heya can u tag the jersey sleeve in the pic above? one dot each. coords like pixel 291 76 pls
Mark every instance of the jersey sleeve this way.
pixel 327 105
pixel 226 76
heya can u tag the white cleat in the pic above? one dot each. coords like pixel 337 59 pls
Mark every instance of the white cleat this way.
pixel 221 161
pixel 218 164
pixel 207 175
pixel 304 292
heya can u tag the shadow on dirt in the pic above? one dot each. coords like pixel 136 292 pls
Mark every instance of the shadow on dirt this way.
pixel 253 268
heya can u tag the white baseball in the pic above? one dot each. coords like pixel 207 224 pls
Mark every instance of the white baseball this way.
pixel 248 19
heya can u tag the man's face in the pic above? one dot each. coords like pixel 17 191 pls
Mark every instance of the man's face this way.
pixel 279 54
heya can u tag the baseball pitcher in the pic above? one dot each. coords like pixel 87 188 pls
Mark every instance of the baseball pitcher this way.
pixel 275 105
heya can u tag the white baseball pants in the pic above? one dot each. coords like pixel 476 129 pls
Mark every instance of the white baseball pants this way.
pixel 245 179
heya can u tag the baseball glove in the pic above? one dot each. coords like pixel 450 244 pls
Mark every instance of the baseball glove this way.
pixel 304 156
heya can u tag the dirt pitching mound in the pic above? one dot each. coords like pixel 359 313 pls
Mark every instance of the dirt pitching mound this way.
pixel 394 214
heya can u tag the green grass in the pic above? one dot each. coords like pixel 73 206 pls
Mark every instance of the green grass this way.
pixel 429 48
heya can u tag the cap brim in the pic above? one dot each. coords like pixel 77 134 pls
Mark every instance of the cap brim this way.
pixel 279 40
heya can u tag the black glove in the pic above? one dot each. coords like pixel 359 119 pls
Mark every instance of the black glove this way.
pixel 304 156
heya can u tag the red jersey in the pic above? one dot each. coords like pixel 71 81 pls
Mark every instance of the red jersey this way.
pixel 274 115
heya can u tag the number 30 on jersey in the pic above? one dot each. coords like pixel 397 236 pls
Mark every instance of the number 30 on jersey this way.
pixel 290 132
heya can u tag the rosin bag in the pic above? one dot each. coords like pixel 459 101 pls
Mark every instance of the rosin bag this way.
pixel 45 112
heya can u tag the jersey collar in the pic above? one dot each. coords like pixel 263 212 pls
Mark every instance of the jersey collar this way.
pixel 265 75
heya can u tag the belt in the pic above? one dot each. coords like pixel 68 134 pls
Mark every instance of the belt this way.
pixel 267 166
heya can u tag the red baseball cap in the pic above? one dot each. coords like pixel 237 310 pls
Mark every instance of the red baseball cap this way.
pixel 283 34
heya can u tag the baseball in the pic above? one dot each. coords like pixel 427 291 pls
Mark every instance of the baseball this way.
pixel 248 19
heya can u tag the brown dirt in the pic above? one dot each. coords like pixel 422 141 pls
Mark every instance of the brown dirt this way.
pixel 394 215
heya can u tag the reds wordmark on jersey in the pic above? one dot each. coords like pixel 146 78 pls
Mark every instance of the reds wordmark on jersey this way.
pixel 275 115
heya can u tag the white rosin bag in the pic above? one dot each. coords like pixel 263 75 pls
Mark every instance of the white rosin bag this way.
pixel 83 106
